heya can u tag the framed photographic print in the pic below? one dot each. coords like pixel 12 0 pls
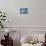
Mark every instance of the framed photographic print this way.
pixel 23 10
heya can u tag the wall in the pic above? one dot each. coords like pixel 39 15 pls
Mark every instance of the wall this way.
pixel 34 22
pixel 37 19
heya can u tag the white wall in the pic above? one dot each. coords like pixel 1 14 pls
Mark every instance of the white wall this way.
pixel 34 22
pixel 37 19
pixel 24 24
